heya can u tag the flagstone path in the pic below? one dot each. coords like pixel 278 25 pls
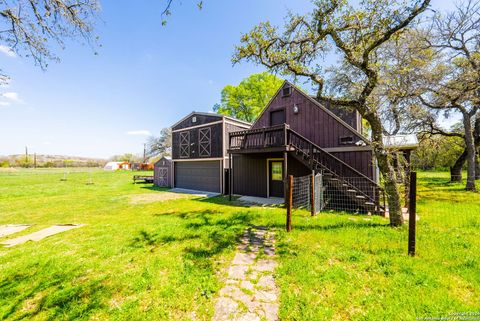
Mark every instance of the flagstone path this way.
pixel 12 229
pixel 37 236
pixel 250 292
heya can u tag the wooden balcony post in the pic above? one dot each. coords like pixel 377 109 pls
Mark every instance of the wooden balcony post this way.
pixel 264 137
pixel 289 203
pixel 230 172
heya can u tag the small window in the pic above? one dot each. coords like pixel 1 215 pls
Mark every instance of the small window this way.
pixel 286 91
pixel 277 171
pixel 346 140
pixel 194 119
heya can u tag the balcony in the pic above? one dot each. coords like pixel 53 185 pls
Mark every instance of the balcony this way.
pixel 261 140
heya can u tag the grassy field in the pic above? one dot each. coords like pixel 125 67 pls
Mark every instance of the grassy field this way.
pixel 141 257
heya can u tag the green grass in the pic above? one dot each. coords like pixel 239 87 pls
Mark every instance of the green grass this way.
pixel 164 260
pixel 339 267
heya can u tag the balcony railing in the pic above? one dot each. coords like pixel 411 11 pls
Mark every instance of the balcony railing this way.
pixel 275 136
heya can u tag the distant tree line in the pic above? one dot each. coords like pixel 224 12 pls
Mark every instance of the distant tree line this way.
pixel 43 161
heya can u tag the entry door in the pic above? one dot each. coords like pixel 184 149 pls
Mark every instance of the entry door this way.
pixel 275 178
pixel 163 177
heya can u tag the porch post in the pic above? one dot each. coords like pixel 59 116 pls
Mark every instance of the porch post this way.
pixel 230 169
pixel 285 174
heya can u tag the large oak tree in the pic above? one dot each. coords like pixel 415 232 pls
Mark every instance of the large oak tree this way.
pixel 356 33
pixel 453 84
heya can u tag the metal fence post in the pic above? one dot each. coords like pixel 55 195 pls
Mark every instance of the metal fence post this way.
pixel 289 203
pixel 412 209
pixel 312 194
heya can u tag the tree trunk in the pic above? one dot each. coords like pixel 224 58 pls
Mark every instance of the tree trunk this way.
pixel 477 166
pixel 470 148
pixel 387 170
pixel 456 169
pixel 391 188
pixel 476 138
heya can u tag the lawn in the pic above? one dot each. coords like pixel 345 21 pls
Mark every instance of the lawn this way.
pixel 141 257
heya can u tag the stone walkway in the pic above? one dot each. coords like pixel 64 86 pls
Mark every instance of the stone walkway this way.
pixel 250 293
pixel 37 236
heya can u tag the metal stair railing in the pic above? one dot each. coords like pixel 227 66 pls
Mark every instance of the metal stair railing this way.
pixel 316 156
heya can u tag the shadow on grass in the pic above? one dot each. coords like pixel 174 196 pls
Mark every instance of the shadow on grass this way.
pixel 153 187
pixel 58 294
pixel 307 226
pixel 212 232
pixel 235 202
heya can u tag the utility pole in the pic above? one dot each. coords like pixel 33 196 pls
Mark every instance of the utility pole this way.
pixel 26 156
pixel 144 153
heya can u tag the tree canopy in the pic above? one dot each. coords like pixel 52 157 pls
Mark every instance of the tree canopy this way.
pixel 357 33
pixel 161 145
pixel 247 100
pixel 32 28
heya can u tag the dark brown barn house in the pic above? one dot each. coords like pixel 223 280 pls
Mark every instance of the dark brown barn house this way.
pixel 295 135
pixel 199 151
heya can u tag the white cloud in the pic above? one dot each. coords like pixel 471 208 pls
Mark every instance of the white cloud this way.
pixel 7 51
pixel 13 96
pixel 139 133
pixel 4 103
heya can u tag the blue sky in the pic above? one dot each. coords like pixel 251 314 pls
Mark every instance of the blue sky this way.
pixel 144 78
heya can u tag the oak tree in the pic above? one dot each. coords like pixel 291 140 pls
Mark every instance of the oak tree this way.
pixel 356 33
pixel 247 100
pixel 37 28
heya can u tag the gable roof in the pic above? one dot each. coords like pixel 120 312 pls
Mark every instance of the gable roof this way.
pixel 317 104
pixel 242 122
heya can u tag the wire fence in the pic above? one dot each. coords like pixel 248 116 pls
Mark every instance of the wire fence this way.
pixel 301 196
pixel 325 192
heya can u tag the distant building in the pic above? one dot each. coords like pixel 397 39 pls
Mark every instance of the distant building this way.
pixel 112 166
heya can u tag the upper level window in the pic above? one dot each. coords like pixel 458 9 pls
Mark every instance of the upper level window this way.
pixel 346 140
pixel 184 144
pixel 286 91
pixel 205 142
pixel 194 119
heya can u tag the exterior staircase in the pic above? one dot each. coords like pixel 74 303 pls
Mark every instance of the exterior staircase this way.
pixel 360 193
pixel 345 187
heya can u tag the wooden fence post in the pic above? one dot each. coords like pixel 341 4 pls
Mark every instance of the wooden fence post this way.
pixel 412 212
pixel 312 194
pixel 289 203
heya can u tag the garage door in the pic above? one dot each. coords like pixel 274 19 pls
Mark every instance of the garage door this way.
pixel 201 176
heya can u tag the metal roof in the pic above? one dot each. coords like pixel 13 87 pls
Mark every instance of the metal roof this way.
pixel 409 141
pixel 214 115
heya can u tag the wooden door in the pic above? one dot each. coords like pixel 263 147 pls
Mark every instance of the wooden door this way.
pixel 275 178
pixel 163 177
